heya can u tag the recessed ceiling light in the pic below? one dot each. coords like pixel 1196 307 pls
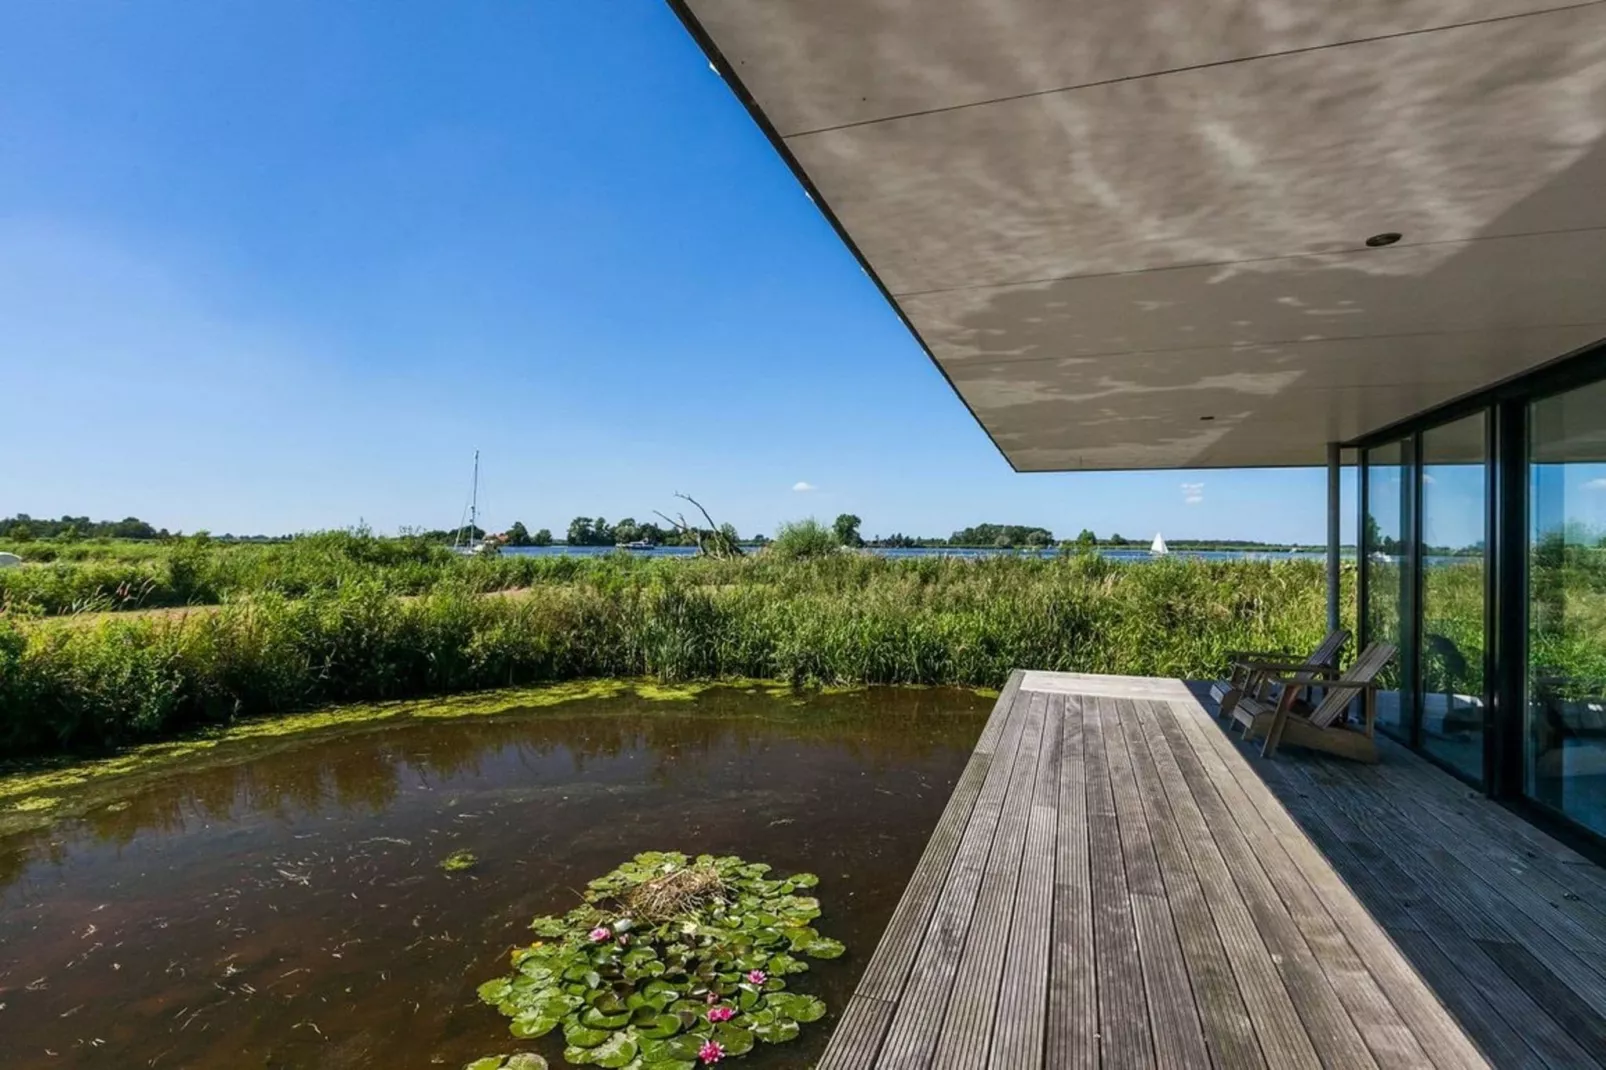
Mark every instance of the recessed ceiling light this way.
pixel 1377 241
pixel 1207 417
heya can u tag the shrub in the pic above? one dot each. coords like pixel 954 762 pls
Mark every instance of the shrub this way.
pixel 804 538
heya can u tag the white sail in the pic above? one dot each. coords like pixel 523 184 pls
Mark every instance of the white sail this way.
pixel 1158 546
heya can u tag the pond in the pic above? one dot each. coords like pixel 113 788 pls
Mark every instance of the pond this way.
pixel 281 901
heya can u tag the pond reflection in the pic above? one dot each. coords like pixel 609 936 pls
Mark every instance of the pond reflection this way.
pixel 283 905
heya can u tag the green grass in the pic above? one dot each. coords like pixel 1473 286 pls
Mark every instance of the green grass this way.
pixel 842 619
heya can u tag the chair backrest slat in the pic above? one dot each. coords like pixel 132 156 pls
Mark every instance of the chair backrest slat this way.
pixel 1371 662
pixel 1323 656
pixel 1327 653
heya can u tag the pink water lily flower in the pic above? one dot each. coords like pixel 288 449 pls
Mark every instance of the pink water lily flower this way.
pixel 712 1052
pixel 720 1014
pixel 757 977
pixel 600 933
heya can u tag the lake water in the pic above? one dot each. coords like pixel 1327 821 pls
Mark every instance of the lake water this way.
pixel 281 904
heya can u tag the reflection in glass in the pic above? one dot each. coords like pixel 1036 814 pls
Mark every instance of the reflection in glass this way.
pixel 1388 512
pixel 1566 730
pixel 1454 566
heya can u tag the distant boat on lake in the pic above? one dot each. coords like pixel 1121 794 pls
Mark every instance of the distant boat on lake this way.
pixel 639 544
pixel 1157 547
pixel 463 542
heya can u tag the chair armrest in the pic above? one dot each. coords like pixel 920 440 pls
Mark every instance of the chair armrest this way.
pixel 1234 656
pixel 1339 684
pixel 1288 666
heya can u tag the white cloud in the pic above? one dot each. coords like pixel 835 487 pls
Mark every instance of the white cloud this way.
pixel 1192 493
pixel 802 487
pixel 1595 484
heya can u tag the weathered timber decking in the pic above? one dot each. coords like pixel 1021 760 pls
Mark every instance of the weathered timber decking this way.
pixel 1116 882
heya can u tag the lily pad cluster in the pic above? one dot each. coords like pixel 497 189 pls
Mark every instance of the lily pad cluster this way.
pixel 669 963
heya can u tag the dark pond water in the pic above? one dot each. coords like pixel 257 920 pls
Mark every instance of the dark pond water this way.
pixel 282 905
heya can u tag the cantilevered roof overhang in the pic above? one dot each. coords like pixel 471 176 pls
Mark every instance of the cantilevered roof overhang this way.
pixel 1132 233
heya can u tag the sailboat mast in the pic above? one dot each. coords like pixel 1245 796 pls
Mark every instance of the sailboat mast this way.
pixel 474 500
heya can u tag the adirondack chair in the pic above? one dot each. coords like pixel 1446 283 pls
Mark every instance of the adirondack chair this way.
pixel 1251 673
pixel 1323 728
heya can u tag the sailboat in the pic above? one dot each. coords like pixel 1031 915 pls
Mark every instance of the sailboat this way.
pixel 463 542
pixel 1157 547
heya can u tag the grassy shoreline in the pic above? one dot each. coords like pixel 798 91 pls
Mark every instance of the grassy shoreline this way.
pixel 845 619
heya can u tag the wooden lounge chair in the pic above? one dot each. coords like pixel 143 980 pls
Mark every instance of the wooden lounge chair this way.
pixel 1251 672
pixel 1324 727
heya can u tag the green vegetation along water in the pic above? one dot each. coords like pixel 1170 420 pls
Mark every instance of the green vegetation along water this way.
pixel 278 899
pixel 842 619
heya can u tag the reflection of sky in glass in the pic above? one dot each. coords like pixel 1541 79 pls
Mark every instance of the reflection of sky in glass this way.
pixel 1568 496
pixel 1453 505
pixel 1383 483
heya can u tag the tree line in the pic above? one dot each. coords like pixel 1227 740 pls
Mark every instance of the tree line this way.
pixel 597 531
pixel 23 528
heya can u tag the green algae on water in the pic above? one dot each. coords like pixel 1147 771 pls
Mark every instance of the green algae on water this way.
pixel 459 861
pixel 33 794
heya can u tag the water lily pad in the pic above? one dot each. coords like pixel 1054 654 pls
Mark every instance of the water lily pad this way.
pixel 580 1036
pixel 528 1026
pixel 735 1039
pixel 674 936
pixel 823 947
pixel 597 1019
pixel 523 1060
pixel 792 1005
pixel 660 1027
pixel 616 1051
pixel 777 1030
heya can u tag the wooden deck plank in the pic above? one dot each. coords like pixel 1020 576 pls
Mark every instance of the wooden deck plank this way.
pixel 889 965
pixel 1487 912
pixel 911 1036
pixel 1498 1040
pixel 1267 1001
pixel 1435 1034
pixel 1019 1039
pixel 1499 826
pixel 1292 865
pixel 1525 881
pixel 1228 1031
pixel 1073 1041
pixel 1420 910
pixel 968 1024
pixel 858 1034
pixel 1115 882
pixel 1245 846
pixel 1173 1015
pixel 1541 1033
pixel 1123 1011
pixel 1560 1002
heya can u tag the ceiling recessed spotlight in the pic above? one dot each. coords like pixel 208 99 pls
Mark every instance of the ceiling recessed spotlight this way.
pixel 1377 241
pixel 1207 417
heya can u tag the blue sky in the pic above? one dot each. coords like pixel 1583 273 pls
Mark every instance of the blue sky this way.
pixel 279 266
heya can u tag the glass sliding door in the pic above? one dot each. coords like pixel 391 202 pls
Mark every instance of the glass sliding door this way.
pixel 1454 565
pixel 1565 750
pixel 1386 552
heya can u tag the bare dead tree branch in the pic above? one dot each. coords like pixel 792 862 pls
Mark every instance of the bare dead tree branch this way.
pixel 714 541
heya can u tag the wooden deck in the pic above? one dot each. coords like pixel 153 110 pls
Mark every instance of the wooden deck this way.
pixel 1115 882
